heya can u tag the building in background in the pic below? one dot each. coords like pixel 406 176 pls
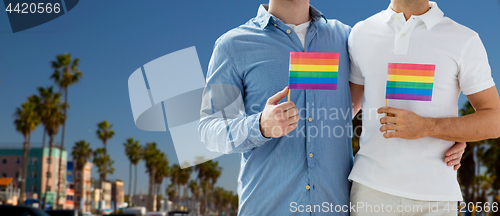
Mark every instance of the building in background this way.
pixel 70 194
pixel 9 192
pixel 83 199
pixel 117 194
pixel 165 205
pixel 96 199
pixel 70 186
pixel 11 157
pixel 141 199
pixel 106 195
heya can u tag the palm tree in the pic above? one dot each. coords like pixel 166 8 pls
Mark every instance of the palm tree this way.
pixel 39 101
pixel 171 193
pixel 104 165
pixel 226 201
pixel 153 157
pixel 222 200
pixel 133 152
pixel 234 203
pixel 43 100
pixel 208 174
pixel 105 132
pixel 195 193
pixel 65 74
pixel 203 170
pixel 491 159
pixel 81 154
pixel 175 175
pixel 218 196
pixel 51 115
pixel 214 174
pixel 162 172
pixel 184 176
pixel 26 120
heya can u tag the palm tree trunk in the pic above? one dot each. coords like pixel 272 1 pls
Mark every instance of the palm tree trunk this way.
pixel 178 194
pixel 49 162
pixel 135 181
pixel 83 198
pixel 203 199
pixel 150 190
pixel 40 183
pixel 193 205
pixel 59 179
pixel 24 174
pixel 184 195
pixel 130 183
pixel 62 149
pixel 158 201
pixel 103 179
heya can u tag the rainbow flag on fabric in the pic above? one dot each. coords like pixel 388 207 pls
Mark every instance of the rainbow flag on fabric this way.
pixel 410 81
pixel 310 70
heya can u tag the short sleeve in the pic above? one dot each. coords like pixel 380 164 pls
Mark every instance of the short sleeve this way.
pixel 474 70
pixel 355 75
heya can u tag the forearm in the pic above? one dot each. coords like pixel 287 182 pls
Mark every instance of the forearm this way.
pixel 236 135
pixel 483 124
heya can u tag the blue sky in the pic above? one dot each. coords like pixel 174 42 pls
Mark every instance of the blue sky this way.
pixel 115 37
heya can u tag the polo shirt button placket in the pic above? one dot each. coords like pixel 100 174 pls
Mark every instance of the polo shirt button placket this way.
pixel 310 159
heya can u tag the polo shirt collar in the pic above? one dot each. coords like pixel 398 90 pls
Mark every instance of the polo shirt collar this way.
pixel 433 16
pixel 430 18
pixel 264 17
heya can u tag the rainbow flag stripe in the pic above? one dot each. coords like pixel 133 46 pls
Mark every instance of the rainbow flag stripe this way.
pixel 410 81
pixel 310 70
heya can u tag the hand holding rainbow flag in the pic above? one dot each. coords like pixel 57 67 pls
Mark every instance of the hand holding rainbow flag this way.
pixel 409 82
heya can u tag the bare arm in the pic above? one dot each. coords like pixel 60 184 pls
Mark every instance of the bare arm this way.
pixel 483 124
pixel 356 97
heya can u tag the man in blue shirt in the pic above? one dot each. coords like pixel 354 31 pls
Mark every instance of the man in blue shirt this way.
pixel 297 155
pixel 309 166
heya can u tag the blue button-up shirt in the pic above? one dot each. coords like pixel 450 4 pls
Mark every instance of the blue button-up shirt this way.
pixel 305 171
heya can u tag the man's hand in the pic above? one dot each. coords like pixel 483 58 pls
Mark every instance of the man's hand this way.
pixel 406 124
pixel 454 155
pixel 278 120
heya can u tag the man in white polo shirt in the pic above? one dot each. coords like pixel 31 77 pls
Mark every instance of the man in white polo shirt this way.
pixel 420 61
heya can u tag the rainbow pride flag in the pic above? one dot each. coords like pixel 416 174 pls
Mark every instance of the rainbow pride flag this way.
pixel 410 81
pixel 310 70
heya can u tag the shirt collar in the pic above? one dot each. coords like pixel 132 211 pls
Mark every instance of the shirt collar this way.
pixel 264 17
pixel 433 16
pixel 430 18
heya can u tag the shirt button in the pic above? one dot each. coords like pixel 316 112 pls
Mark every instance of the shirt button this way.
pixel 397 18
pixel 310 155
pixel 308 187
pixel 275 25
pixel 274 19
pixel 403 34
pixel 310 119
pixel 288 31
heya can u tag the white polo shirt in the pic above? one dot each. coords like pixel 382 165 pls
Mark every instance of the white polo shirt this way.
pixel 413 169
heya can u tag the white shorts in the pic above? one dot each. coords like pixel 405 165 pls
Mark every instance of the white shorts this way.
pixel 373 202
